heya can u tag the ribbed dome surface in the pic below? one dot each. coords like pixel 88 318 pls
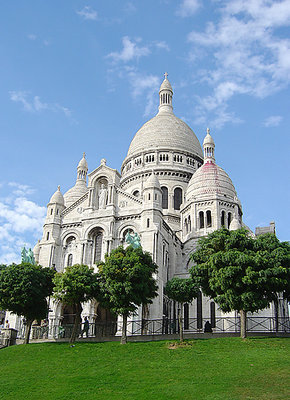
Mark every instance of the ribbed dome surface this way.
pixel 165 131
pixel 210 179
pixel 73 194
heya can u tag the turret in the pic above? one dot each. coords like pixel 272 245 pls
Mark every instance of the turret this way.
pixel 152 193
pixel 80 187
pixel 82 169
pixel 208 148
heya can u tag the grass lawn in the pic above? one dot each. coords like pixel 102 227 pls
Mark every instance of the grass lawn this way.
pixel 213 369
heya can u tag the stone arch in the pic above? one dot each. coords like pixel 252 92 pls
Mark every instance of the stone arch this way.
pixel 67 234
pixel 96 237
pixel 124 226
pixel 102 226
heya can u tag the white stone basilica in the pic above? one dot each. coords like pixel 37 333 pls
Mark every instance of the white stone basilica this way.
pixel 169 191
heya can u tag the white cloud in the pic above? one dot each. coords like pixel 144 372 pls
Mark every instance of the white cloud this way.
pixel 187 8
pixel 130 51
pixel 31 36
pixel 245 53
pixel 272 121
pixel 20 97
pixel 34 104
pixel 162 45
pixel 21 221
pixel 144 86
pixel 88 13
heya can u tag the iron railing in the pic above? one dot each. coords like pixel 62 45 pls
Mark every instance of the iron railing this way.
pixel 163 326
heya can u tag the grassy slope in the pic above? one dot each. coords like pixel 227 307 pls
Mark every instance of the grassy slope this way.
pixel 218 369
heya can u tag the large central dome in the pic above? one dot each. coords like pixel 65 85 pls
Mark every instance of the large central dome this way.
pixel 165 131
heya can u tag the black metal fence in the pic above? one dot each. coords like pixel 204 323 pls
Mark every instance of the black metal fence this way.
pixel 163 326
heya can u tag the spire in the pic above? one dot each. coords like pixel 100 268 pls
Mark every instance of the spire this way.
pixel 82 169
pixel 208 148
pixel 165 95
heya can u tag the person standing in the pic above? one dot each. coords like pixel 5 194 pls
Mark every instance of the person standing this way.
pixel 86 327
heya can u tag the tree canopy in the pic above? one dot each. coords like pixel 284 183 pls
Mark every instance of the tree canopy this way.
pixel 239 272
pixel 75 285
pixel 127 281
pixel 23 291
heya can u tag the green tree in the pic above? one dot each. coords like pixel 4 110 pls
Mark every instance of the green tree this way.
pixel 239 272
pixel 77 284
pixel 182 291
pixel 23 291
pixel 127 282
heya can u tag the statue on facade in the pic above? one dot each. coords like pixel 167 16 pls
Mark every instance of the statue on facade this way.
pixel 134 241
pixel 103 197
pixel 27 256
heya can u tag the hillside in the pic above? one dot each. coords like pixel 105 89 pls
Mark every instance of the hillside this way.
pixel 215 369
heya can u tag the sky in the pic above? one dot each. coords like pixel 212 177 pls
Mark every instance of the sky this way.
pixel 83 76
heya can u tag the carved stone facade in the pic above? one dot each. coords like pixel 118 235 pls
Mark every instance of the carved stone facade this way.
pixel 168 192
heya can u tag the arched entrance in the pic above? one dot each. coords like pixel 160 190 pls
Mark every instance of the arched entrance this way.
pixel 106 322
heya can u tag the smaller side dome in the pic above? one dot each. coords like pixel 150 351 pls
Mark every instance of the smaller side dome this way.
pixel 36 249
pixel 152 182
pixel 234 225
pixel 57 197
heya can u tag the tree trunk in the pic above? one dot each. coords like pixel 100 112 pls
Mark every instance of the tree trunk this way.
pixel 27 331
pixel 124 329
pixel 180 313
pixel 76 326
pixel 243 324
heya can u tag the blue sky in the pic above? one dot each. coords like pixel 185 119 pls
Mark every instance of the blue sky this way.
pixel 84 76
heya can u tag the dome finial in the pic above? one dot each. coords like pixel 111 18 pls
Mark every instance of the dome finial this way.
pixel 58 188
pixel 207 131
pixel 165 75
pixel 84 155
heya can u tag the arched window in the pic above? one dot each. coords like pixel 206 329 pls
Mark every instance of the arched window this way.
pixel 189 224
pixel 70 240
pixel 208 219
pixel 69 260
pixel 201 219
pixel 229 219
pixel 97 241
pixel 186 316
pixel 128 230
pixel 199 310
pixel 148 222
pixel 164 197
pixel 212 314
pixel 223 217
pixel 136 193
pixel 186 225
pixel 177 198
